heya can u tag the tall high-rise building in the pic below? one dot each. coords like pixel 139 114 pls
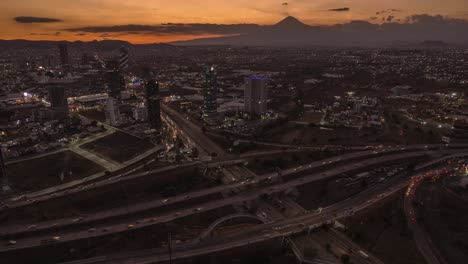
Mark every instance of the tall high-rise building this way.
pixel 49 61
pixel 64 59
pixel 2 165
pixel 5 188
pixel 84 59
pixel 113 117
pixel 123 59
pixel 255 95
pixel 58 101
pixel 115 80
pixel 153 101
pixel 210 95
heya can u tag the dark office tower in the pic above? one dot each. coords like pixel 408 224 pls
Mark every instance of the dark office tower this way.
pixel 64 59
pixel 153 101
pixel 4 186
pixel 210 95
pixel 49 61
pixel 123 59
pixel 84 59
pixel 255 95
pixel 115 81
pixel 58 102
pixel 2 164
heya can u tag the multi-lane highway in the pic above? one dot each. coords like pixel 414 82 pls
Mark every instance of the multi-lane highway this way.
pixel 120 176
pixel 284 174
pixel 131 166
pixel 275 229
pixel 422 239
pixel 260 233
pixel 339 242
pixel 243 188
pixel 102 229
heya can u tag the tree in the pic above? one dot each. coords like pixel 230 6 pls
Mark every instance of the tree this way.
pixel 345 259
pixel 295 158
pixel 195 153
pixel 310 252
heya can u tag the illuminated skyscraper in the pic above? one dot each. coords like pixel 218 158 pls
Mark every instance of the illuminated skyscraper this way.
pixel 153 100
pixel 255 95
pixel 123 59
pixel 210 95
pixel 58 101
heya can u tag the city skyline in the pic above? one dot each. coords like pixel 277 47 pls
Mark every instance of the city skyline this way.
pixel 234 132
pixel 156 21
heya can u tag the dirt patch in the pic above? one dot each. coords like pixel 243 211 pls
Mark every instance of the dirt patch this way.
pixel 40 173
pixel 383 230
pixel 118 146
pixel 445 218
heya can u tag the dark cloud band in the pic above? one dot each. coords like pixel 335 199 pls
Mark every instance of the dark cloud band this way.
pixel 167 29
pixel 29 20
pixel 341 9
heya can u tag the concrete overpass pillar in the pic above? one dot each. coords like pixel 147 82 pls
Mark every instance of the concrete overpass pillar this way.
pixel 5 188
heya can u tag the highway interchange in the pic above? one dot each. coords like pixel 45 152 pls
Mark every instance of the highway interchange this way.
pixel 268 231
pixel 241 189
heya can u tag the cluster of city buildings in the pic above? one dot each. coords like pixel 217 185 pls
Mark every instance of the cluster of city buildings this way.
pixel 354 112
pixel 63 89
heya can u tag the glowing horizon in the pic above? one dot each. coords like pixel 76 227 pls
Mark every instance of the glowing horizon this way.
pixel 51 19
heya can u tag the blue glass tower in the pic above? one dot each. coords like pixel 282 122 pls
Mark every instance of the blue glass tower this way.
pixel 210 95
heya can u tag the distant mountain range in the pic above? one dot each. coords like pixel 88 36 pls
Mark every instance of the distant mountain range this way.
pixel 292 32
pixel 104 45
pixel 420 31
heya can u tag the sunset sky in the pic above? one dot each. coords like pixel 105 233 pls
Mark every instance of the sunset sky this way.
pixel 77 19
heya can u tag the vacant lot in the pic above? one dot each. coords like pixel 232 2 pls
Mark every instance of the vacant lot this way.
pixel 45 172
pixel 94 115
pixel 324 192
pixel 118 146
pixel 445 218
pixel 384 231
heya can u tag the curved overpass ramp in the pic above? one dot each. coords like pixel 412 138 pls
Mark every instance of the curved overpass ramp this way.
pixel 224 219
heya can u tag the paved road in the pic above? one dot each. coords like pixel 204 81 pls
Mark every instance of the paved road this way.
pixel 422 239
pixel 84 184
pixel 379 156
pixel 339 241
pixel 249 194
pixel 383 156
pixel 194 132
pixel 64 189
pixel 277 229
pixel 312 148
pixel 45 154
pixel 107 164
pixel 77 144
